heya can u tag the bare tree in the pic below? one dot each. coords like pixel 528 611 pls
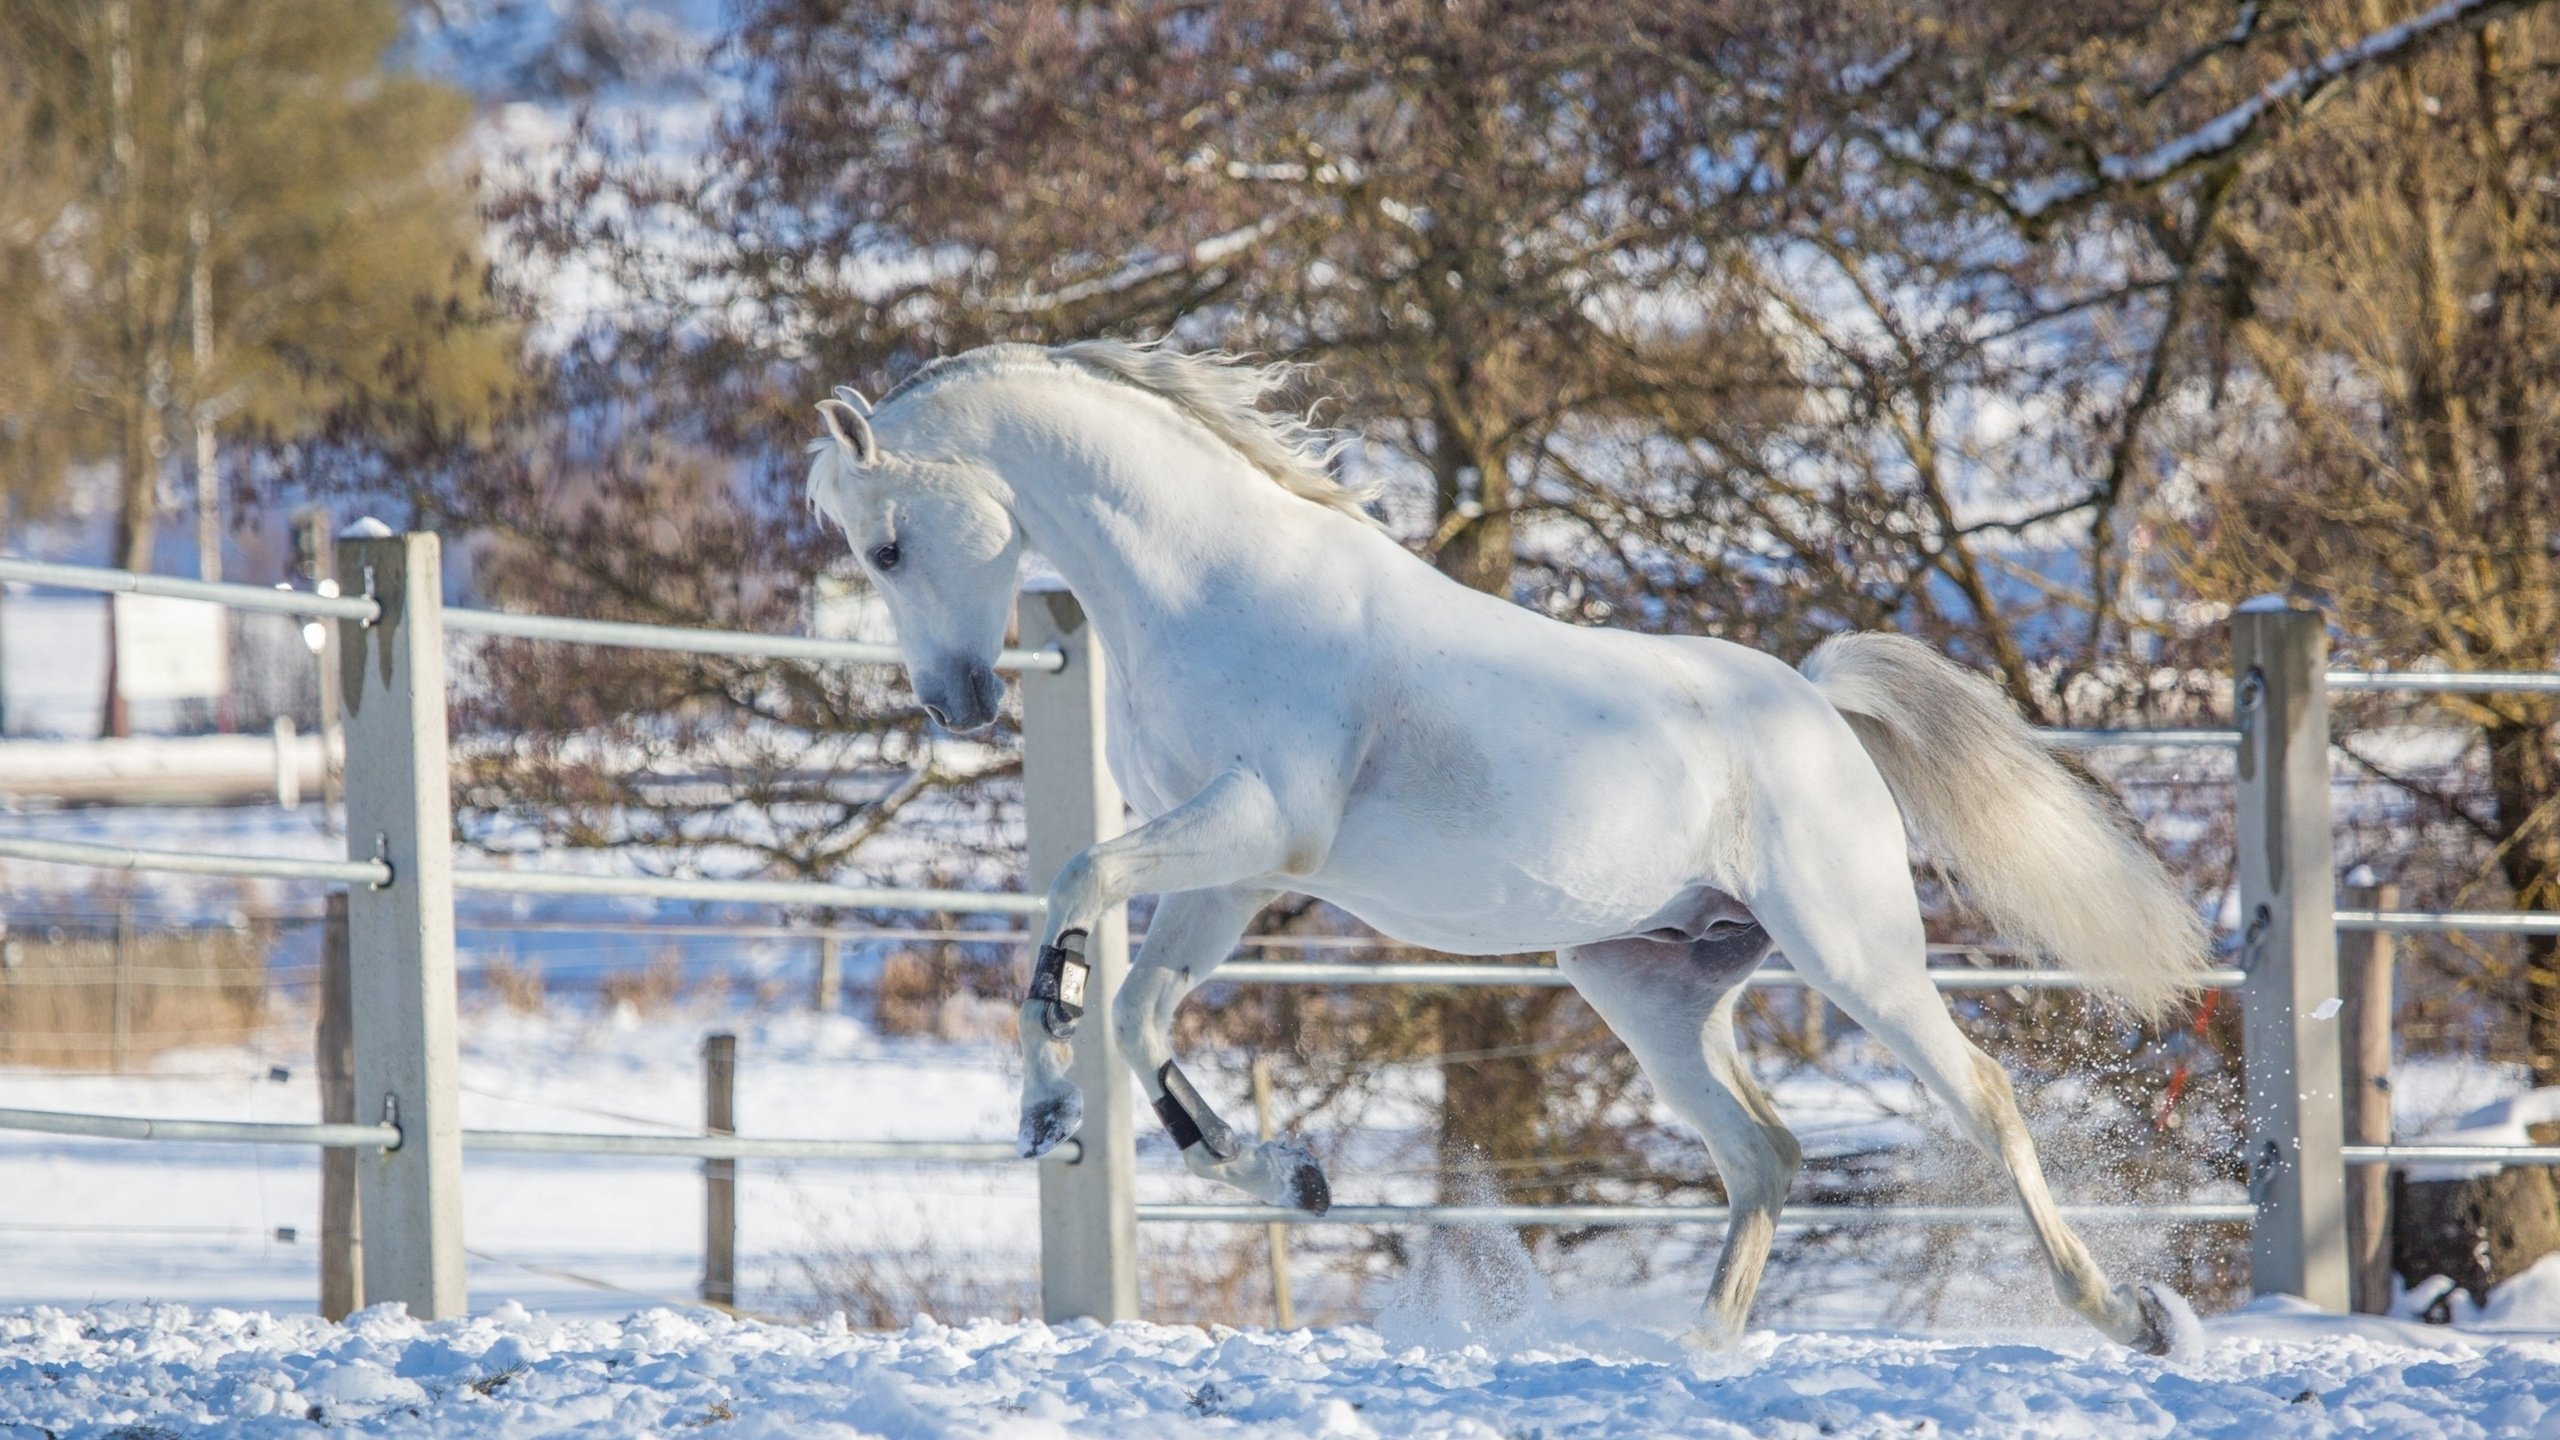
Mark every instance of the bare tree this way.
pixel 2390 432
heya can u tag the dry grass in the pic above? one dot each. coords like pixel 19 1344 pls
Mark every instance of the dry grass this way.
pixel 888 1289
pixel 519 987
pixel 647 992
pixel 1203 1280
pixel 922 992
pixel 91 1001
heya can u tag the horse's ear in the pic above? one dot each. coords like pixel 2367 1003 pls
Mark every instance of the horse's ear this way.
pixel 839 413
pixel 854 398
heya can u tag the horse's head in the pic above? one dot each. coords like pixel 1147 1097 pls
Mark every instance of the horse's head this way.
pixel 940 546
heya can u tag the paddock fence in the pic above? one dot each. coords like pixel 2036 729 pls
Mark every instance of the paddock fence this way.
pixel 385 651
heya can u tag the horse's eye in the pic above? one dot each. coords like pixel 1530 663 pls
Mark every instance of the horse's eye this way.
pixel 885 556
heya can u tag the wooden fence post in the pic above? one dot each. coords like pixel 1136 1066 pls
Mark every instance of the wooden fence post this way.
pixel 400 935
pixel 2288 915
pixel 720 1177
pixel 827 996
pixel 1275 1238
pixel 1088 1209
pixel 120 996
pixel 333 1057
pixel 2364 968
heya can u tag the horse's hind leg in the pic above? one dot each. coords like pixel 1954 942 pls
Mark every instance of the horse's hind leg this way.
pixel 1672 1003
pixel 1854 931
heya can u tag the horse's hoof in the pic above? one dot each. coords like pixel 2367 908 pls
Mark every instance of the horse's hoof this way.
pixel 2168 1326
pixel 1308 1189
pixel 1050 1121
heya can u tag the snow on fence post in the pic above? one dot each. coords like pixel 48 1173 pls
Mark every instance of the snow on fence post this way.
pixel 2288 904
pixel 1088 1210
pixel 400 935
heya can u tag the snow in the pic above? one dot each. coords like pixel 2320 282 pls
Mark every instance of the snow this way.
pixel 217 1372
pixel 575 1259
pixel 2504 1122
pixel 88 1221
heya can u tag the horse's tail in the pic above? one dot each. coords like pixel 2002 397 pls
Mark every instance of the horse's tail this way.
pixel 2037 850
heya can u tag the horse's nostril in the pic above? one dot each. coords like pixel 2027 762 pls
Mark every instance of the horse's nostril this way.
pixel 936 712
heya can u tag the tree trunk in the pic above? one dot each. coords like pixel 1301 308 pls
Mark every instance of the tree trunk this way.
pixel 2524 774
pixel 200 298
pixel 139 441
pixel 1493 1110
pixel 2475 1233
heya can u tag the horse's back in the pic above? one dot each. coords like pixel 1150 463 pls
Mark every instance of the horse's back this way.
pixel 1529 782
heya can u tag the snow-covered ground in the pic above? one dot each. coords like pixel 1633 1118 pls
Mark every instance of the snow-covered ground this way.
pixel 160 1370
pixel 145 1289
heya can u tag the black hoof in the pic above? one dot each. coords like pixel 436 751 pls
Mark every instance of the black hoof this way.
pixel 1308 1189
pixel 1046 1124
pixel 2159 1328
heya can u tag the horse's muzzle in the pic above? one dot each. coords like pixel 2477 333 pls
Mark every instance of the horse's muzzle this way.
pixel 961 697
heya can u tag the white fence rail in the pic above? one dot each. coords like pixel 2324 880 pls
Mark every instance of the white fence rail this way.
pixel 1797 1217
pixel 193 862
pixel 380 1136
pixel 388 646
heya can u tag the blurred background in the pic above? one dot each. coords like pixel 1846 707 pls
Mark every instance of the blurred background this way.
pixel 2046 333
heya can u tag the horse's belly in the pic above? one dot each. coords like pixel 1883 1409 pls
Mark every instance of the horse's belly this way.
pixel 1477 895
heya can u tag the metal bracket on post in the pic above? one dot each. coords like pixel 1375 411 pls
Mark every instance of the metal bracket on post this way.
pixel 400 935
pixel 2288 889
pixel 1088 1208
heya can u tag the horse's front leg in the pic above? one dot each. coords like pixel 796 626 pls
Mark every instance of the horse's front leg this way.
pixel 1192 933
pixel 1228 833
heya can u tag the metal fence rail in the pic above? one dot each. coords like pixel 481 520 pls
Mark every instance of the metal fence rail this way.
pixel 568 629
pixel 2064 739
pixel 524 1142
pixel 237 597
pixel 684 640
pixel 219 1132
pixel 192 862
pixel 1794 1216
pixel 523 882
pixel 2421 922
pixel 759 892
pixel 1474 973
pixel 2426 1154
pixel 2445 682
pixel 753 1147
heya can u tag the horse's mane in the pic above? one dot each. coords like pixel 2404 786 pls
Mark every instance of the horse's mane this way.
pixel 1220 391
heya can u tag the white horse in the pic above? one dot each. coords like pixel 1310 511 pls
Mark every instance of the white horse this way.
pixel 1298 703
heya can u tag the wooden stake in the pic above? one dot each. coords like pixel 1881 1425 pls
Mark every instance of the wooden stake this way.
pixel 829 995
pixel 2364 973
pixel 1284 1310
pixel 720 1177
pixel 121 999
pixel 334 1058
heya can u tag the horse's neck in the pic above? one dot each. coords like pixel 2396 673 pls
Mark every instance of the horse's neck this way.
pixel 1150 522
